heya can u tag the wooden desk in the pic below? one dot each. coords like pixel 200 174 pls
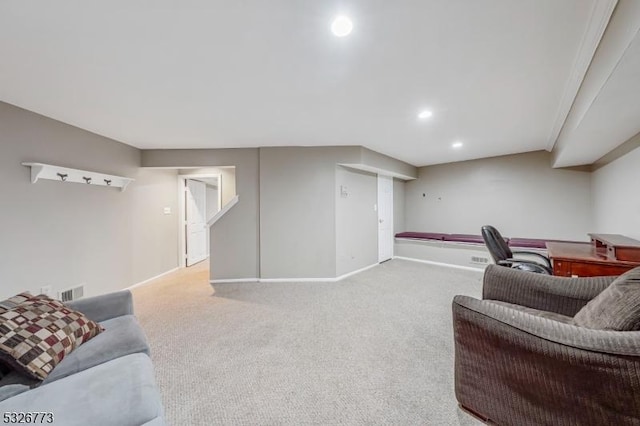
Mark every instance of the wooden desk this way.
pixel 582 260
pixel 616 247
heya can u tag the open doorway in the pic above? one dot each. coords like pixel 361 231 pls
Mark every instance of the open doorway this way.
pixel 202 195
pixel 202 202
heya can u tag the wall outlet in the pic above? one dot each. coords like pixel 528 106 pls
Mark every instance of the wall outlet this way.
pixel 47 290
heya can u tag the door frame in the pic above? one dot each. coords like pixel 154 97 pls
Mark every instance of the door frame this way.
pixel 182 213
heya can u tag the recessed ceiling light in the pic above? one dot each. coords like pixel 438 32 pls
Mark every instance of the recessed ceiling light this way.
pixel 341 26
pixel 457 145
pixel 424 114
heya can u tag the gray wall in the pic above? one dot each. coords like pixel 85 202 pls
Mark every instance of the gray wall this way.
pixel 234 239
pixel 67 234
pixel 399 206
pixel 519 194
pixel 212 201
pixel 616 204
pixel 356 220
pixel 228 185
pixel 154 234
pixel 285 223
pixel 307 229
pixel 297 212
pixel 384 162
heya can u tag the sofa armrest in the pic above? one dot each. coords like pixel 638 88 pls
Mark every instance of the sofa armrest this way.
pixel 569 335
pixel 562 295
pixel 107 306
pixel 512 367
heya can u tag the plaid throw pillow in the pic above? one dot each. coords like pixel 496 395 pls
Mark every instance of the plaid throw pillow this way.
pixel 38 333
pixel 14 301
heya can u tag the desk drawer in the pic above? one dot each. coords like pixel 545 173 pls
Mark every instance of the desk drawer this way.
pixel 561 268
pixel 631 254
pixel 595 270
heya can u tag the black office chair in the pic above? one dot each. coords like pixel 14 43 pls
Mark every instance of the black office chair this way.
pixel 503 255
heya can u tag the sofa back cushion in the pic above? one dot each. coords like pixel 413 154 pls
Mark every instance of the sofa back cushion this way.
pixel 37 334
pixel 616 308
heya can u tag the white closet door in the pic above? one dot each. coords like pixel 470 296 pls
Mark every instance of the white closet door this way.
pixel 385 218
pixel 196 226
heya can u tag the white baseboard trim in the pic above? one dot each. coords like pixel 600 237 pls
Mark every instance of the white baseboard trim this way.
pixel 235 280
pixel 348 274
pixel 297 280
pixel 448 265
pixel 147 281
pixel 294 280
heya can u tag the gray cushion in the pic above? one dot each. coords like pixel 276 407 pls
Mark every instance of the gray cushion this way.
pixel 543 314
pixel 122 336
pixel 14 383
pixel 158 421
pixel 107 306
pixel 616 308
pixel 118 392
pixel 12 377
pixel 7 391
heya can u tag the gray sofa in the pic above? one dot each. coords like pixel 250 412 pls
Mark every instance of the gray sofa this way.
pixel 108 380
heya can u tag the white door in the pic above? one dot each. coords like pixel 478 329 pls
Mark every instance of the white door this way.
pixel 196 225
pixel 385 218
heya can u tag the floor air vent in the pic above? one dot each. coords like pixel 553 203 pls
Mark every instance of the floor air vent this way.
pixel 481 260
pixel 72 294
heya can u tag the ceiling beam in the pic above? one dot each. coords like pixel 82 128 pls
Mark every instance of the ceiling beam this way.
pixel 620 33
pixel 600 16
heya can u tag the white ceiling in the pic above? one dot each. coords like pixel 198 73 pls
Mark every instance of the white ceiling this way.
pixel 214 74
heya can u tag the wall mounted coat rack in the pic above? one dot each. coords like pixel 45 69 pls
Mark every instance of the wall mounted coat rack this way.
pixel 63 174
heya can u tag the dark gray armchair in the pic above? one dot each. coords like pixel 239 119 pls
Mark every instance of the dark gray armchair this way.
pixel 503 256
pixel 519 360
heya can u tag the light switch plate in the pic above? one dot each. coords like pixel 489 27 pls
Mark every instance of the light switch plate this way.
pixel 167 210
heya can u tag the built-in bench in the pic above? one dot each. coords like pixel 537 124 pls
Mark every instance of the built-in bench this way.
pixel 458 249
pixel 421 235
pixel 464 238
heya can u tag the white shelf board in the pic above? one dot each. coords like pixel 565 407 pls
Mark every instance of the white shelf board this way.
pixel 65 174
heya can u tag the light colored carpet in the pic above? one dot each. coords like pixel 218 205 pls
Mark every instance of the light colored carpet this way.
pixel 375 348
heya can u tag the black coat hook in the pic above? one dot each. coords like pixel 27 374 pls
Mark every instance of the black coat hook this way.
pixel 63 177
pixel 87 179
pixel 108 182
